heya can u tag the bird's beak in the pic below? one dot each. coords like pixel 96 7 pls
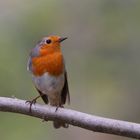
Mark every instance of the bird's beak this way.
pixel 62 39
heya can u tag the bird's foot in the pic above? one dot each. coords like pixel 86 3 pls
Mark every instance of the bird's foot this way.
pixel 31 103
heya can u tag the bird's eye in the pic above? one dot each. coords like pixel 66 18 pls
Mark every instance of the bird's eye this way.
pixel 48 41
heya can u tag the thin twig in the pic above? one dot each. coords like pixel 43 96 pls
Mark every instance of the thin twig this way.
pixel 83 120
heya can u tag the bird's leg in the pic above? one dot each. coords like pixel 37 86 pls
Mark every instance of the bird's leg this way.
pixel 32 102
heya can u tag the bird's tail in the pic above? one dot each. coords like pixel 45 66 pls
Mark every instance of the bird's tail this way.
pixel 57 124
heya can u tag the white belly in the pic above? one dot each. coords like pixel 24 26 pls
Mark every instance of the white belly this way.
pixel 49 84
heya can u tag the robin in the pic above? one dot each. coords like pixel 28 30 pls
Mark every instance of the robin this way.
pixel 46 64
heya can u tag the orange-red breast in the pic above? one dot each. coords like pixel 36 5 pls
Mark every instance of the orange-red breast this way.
pixel 46 64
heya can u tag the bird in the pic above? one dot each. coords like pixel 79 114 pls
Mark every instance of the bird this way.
pixel 47 67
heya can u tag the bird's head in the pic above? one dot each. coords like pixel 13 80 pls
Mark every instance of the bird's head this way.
pixel 50 44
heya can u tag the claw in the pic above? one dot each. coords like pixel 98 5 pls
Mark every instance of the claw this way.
pixel 58 107
pixel 31 103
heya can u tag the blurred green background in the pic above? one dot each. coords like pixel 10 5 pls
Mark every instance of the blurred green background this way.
pixel 102 59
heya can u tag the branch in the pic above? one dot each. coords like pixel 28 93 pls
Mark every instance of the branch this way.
pixel 90 122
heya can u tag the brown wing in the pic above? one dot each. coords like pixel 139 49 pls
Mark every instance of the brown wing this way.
pixel 65 91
